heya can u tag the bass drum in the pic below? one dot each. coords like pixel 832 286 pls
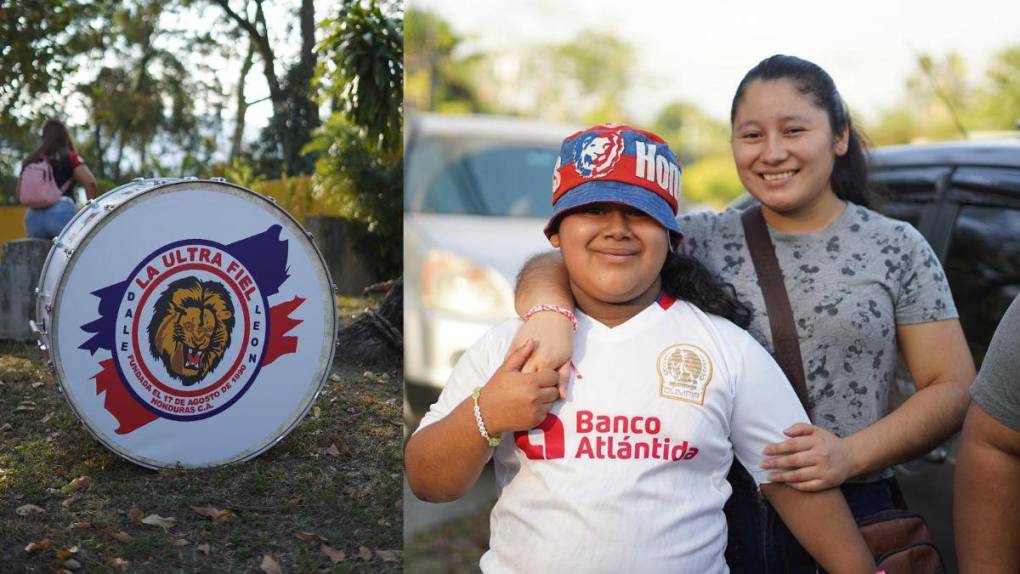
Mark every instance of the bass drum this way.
pixel 190 323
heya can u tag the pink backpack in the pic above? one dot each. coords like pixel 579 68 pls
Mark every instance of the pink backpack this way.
pixel 38 188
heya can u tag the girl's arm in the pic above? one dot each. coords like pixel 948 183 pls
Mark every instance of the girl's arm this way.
pixel 822 523
pixel 941 365
pixel 84 176
pixel 544 280
pixel 986 501
pixel 443 460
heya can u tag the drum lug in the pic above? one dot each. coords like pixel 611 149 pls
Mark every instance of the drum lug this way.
pixel 109 207
pixel 219 179
pixel 36 290
pixel 36 329
pixel 42 347
pixel 270 198
pixel 138 179
pixel 309 234
pixel 49 365
pixel 49 308
pixel 68 251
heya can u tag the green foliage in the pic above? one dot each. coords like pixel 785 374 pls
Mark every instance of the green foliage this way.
pixel 712 180
pixel 243 173
pixel 942 103
pixel 365 48
pixel 439 77
pixel 364 185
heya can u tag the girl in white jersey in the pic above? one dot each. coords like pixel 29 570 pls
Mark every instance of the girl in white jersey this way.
pixel 627 473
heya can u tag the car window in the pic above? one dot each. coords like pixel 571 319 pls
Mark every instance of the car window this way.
pixel 480 178
pixel 983 267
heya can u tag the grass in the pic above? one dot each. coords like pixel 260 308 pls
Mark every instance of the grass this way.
pixel 338 476
pixel 452 547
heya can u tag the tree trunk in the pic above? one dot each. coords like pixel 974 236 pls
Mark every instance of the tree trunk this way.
pixel 242 104
pixel 377 336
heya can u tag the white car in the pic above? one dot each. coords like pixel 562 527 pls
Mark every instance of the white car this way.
pixel 477 194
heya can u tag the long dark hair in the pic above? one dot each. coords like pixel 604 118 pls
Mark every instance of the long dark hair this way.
pixel 684 277
pixel 56 141
pixel 849 177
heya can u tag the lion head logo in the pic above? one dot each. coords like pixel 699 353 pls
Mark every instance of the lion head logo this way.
pixel 190 328
pixel 597 154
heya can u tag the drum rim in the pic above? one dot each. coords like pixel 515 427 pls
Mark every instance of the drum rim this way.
pixel 52 350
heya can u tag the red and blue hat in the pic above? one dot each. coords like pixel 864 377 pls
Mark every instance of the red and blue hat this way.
pixel 618 164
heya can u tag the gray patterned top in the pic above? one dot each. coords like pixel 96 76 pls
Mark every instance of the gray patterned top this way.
pixel 849 286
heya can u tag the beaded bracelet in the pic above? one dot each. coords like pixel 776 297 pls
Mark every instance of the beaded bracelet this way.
pixel 555 309
pixel 493 441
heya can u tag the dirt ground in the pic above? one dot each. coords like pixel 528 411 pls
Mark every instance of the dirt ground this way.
pixel 328 498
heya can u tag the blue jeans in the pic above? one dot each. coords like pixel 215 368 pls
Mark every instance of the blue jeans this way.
pixel 759 541
pixel 47 223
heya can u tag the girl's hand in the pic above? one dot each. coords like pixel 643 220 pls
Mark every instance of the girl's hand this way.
pixel 513 400
pixel 553 337
pixel 813 459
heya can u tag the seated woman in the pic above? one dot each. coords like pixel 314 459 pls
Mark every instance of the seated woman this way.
pixel 628 472
pixel 69 169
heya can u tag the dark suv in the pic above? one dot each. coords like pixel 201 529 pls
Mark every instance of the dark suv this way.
pixel 965 198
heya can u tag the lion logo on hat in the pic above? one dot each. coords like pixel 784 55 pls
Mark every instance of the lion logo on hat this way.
pixel 596 154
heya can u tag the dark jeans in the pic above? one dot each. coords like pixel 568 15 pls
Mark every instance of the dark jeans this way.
pixel 759 542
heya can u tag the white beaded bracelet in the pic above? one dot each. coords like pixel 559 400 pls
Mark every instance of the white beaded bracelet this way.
pixel 555 309
pixel 493 441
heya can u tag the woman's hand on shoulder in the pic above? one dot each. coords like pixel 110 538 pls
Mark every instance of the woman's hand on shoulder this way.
pixel 552 337
pixel 812 459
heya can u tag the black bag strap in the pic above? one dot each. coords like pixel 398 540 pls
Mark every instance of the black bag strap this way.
pixel 777 303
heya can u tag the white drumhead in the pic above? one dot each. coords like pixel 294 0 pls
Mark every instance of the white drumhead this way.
pixel 193 326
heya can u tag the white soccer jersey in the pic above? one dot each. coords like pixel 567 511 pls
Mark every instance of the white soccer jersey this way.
pixel 628 474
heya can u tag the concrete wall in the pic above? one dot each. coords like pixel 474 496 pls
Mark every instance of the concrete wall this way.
pixel 349 268
pixel 20 265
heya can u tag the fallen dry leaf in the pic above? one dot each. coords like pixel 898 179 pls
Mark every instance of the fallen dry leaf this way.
pixel 47 418
pixel 119 564
pixel 364 553
pixel 76 484
pixel 157 520
pixel 64 571
pixel 6 427
pixel 72 564
pixel 181 542
pixel 213 513
pixel 333 450
pixel 122 536
pixel 388 555
pixel 296 500
pixel 71 500
pixel 38 545
pixel 333 554
pixel 22 408
pixel 27 509
pixel 270 565
pixel 135 514
pixel 335 378
pixel 65 553
pixel 77 525
pixel 203 548
pixel 309 536
pixel 37 384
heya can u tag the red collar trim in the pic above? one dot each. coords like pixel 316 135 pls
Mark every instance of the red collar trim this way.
pixel 665 300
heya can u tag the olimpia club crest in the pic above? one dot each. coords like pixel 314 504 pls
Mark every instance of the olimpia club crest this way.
pixel 190 323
